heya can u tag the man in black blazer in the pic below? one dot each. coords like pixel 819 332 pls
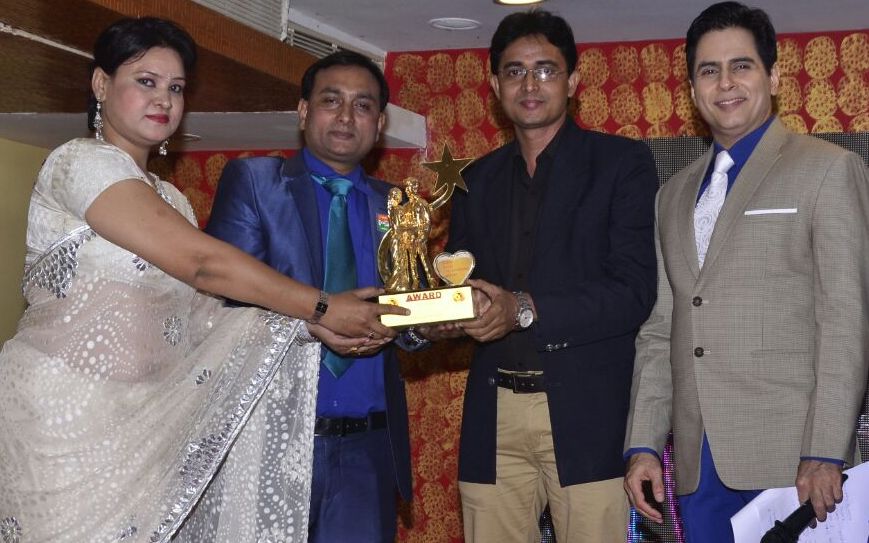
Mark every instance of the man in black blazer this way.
pixel 562 219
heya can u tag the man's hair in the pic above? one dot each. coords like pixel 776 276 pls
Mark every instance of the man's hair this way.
pixel 345 58
pixel 533 23
pixel 724 15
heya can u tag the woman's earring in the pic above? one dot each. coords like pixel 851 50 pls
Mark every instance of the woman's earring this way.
pixel 162 150
pixel 98 122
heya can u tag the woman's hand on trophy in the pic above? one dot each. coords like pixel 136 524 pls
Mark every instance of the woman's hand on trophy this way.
pixel 350 315
pixel 347 346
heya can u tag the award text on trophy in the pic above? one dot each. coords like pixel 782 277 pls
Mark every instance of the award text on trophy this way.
pixel 403 261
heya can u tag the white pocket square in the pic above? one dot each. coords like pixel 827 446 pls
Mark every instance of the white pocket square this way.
pixel 779 211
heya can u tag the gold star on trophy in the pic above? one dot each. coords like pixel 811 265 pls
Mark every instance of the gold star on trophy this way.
pixel 449 172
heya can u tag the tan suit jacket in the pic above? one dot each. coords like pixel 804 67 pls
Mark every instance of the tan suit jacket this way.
pixel 766 348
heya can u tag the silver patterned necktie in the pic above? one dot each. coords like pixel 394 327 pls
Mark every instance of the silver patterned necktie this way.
pixel 709 205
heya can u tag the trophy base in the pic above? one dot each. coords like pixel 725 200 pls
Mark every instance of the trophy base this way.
pixel 430 306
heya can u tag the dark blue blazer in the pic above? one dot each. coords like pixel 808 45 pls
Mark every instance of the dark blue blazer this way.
pixel 592 281
pixel 266 206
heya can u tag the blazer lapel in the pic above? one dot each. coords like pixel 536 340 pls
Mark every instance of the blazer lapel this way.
pixel 300 186
pixel 562 193
pixel 752 175
pixel 377 216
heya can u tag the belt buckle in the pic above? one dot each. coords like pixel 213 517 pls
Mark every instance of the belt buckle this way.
pixel 513 377
pixel 340 426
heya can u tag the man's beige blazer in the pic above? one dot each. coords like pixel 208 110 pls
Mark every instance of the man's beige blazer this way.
pixel 765 349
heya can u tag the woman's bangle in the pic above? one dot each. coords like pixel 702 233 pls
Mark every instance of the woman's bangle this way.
pixel 322 306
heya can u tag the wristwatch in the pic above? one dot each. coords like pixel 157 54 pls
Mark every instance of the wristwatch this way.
pixel 525 316
pixel 320 309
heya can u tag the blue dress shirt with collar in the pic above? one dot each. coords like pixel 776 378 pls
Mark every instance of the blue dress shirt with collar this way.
pixel 361 389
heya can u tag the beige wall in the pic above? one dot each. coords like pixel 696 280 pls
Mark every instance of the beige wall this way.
pixel 19 165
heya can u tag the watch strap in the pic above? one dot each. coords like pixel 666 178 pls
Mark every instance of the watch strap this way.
pixel 321 307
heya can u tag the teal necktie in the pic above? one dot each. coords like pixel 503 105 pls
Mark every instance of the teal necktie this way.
pixel 340 260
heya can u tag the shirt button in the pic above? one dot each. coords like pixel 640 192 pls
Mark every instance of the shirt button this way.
pixel 697 301
pixel 698 352
pixel 491 381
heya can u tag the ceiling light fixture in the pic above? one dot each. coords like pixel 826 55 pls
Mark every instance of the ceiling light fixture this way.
pixel 517 2
pixel 454 23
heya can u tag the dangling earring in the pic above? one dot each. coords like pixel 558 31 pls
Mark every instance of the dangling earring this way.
pixel 162 150
pixel 98 122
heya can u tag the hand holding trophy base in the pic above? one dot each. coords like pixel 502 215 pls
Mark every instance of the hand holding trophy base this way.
pixel 431 306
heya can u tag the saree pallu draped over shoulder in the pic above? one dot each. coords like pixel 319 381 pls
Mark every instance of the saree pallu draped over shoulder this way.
pixel 135 409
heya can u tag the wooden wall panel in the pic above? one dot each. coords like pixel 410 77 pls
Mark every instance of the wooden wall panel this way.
pixel 240 69
pixel 40 78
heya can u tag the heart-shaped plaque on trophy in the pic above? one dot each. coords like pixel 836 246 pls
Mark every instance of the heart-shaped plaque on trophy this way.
pixel 454 268
pixel 409 276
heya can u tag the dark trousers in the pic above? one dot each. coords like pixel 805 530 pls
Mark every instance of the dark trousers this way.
pixel 706 512
pixel 353 496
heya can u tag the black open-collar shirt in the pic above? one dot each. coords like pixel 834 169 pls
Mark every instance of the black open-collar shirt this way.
pixel 526 196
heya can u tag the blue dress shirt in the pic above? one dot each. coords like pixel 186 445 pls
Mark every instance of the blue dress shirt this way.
pixel 361 389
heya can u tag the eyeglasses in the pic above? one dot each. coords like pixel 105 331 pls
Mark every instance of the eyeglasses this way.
pixel 515 74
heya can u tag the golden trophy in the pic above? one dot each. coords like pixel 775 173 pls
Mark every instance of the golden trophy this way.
pixel 403 254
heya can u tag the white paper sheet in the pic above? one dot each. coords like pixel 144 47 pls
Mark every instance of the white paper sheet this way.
pixel 849 523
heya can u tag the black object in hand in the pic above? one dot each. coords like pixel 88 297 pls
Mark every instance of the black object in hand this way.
pixel 789 530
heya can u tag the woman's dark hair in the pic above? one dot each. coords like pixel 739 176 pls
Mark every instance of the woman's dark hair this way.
pixel 724 15
pixel 129 39
pixel 536 22
pixel 345 58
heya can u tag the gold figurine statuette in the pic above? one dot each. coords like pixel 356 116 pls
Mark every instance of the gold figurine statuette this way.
pixel 406 240
pixel 403 254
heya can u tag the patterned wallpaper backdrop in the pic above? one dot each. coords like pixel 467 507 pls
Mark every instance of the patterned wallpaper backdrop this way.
pixel 636 89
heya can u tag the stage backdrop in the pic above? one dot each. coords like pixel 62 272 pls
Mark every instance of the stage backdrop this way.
pixel 636 89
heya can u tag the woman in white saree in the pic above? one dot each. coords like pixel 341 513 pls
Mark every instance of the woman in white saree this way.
pixel 134 407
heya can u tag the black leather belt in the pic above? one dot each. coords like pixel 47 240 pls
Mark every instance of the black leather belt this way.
pixel 521 383
pixel 341 426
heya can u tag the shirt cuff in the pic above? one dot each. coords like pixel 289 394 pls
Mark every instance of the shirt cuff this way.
pixel 836 461
pixel 636 450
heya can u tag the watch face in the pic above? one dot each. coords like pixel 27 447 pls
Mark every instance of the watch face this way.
pixel 526 317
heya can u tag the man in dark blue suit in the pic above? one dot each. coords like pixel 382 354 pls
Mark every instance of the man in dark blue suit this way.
pixel 279 211
pixel 562 218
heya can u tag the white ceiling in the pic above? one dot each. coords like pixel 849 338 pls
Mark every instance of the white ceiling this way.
pixel 402 25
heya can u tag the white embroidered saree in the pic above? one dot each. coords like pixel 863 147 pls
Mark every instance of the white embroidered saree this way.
pixel 133 408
